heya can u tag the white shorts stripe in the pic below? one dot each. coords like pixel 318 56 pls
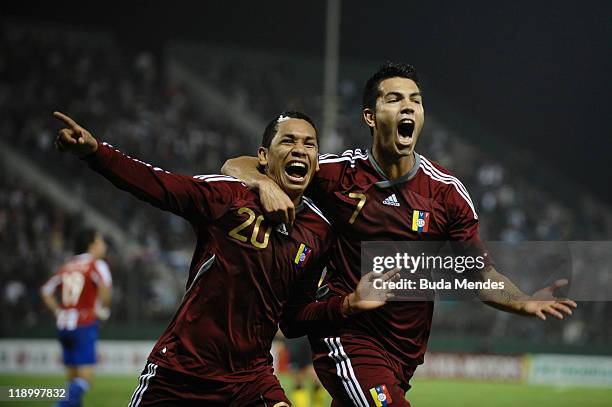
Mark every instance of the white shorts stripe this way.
pixel 341 372
pixel 351 372
pixel 140 381
pixel 143 385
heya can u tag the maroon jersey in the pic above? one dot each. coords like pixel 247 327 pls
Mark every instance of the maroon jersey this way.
pixel 243 270
pixel 78 281
pixel 363 204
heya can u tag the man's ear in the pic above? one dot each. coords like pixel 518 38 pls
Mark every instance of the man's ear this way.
pixel 369 117
pixel 262 157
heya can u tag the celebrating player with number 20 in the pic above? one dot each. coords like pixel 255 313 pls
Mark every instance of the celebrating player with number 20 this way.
pixel 216 350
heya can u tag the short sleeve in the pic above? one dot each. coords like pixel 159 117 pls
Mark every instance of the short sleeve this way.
pixel 103 273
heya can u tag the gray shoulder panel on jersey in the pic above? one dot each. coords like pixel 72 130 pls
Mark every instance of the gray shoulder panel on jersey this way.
pixel 203 269
pixel 315 209
pixel 406 177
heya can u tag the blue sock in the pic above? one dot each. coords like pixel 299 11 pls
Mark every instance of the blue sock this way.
pixel 76 388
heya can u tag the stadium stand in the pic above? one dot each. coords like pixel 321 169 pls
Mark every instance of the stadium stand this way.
pixel 129 99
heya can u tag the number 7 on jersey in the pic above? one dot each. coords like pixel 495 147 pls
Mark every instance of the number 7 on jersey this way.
pixel 362 200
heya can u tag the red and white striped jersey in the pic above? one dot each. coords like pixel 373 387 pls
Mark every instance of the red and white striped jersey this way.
pixel 78 281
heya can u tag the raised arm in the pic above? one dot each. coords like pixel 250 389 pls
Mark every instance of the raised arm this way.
pixel 182 195
pixel 276 205
pixel 512 299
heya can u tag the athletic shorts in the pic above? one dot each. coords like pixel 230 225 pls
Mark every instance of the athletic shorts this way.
pixel 162 387
pixel 357 372
pixel 79 345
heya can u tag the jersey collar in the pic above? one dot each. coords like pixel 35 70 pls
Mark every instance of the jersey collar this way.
pixel 386 182
pixel 300 207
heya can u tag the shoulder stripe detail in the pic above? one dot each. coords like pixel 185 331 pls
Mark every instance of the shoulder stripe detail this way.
pixel 346 156
pixel 335 160
pixel 443 175
pixel 450 181
pixel 314 208
pixel 204 176
pixel 213 178
pixel 355 152
pixel 136 159
pixel 325 156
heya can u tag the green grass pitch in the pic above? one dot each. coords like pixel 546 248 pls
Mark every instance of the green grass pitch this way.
pixel 114 391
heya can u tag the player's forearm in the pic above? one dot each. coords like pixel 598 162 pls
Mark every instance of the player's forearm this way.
pixel 300 321
pixel 105 295
pixel 162 189
pixel 246 169
pixel 51 303
pixel 509 299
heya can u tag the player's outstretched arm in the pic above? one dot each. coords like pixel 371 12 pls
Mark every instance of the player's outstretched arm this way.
pixel 367 296
pixel 188 197
pixel 277 206
pixel 303 315
pixel 543 302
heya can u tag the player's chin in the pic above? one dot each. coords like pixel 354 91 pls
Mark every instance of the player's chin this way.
pixel 295 184
pixel 402 150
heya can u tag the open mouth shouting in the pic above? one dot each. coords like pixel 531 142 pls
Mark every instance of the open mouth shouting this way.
pixel 405 129
pixel 296 171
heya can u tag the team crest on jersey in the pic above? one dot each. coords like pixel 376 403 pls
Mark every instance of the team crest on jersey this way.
pixel 381 395
pixel 420 221
pixel 302 256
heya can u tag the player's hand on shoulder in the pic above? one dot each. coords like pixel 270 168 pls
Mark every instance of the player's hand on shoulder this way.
pixel 372 292
pixel 276 205
pixel 74 138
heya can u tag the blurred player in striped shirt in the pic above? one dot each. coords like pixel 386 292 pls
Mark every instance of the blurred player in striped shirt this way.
pixel 84 284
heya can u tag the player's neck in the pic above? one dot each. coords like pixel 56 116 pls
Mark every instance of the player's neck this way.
pixel 392 166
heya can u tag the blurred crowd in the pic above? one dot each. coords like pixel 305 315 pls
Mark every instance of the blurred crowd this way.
pixel 126 98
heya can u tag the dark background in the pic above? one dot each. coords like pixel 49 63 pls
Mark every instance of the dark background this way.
pixel 535 73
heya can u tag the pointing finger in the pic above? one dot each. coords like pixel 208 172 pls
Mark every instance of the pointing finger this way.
pixel 65 119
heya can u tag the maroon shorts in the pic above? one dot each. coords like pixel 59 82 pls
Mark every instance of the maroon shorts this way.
pixel 163 387
pixel 358 372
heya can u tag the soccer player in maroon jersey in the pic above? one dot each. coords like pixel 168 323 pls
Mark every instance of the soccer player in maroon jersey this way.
pixel 85 286
pixel 388 193
pixel 216 350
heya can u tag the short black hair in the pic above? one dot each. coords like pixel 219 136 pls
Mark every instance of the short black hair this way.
pixel 371 90
pixel 83 239
pixel 272 127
